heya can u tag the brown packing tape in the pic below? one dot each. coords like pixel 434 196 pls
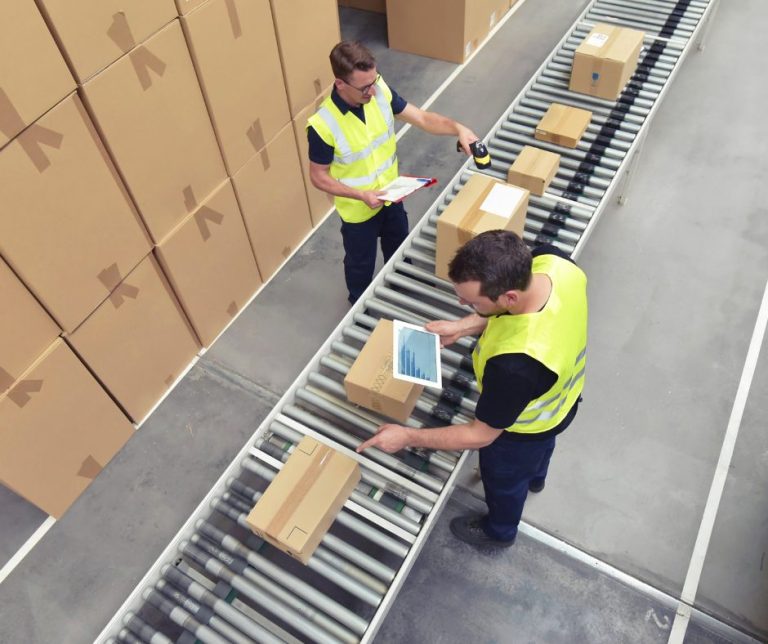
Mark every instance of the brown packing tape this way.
pixel 169 380
pixel 110 277
pixel 6 380
pixel 205 215
pixel 190 203
pixel 118 290
pixel 232 309
pixel 255 135
pixel 319 456
pixel 117 297
pixel 265 159
pixel 32 140
pixel 318 86
pixel 20 394
pixel 234 19
pixel 11 122
pixel 119 32
pixel 90 468
pixel 287 251
pixel 143 61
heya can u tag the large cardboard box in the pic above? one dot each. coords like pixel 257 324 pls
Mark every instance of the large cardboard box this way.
pixel 67 226
pixel 371 384
pixel 605 60
pixel 306 30
pixel 377 6
pixel 445 29
pixel 94 34
pixel 26 330
pixel 138 341
pixel 273 202
pixel 150 111
pixel 58 430
pixel 319 202
pixel 533 169
pixel 33 75
pixel 210 265
pixel 302 501
pixel 482 204
pixel 563 125
pixel 185 6
pixel 247 101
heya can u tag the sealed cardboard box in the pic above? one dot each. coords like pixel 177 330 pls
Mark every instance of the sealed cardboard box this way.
pixel 33 75
pixel 138 341
pixel 306 30
pixel 67 226
pixel 319 202
pixel 58 430
pixel 270 191
pixel 210 265
pixel 150 111
pixel 302 501
pixel 482 204
pixel 26 330
pixel 563 125
pixel 370 383
pixel 94 34
pixel 247 102
pixel 185 6
pixel 533 169
pixel 605 61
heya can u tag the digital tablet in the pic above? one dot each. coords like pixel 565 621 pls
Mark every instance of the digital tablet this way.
pixel 416 355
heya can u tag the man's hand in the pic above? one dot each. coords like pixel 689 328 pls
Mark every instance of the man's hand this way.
pixel 448 330
pixel 372 198
pixel 466 136
pixel 389 438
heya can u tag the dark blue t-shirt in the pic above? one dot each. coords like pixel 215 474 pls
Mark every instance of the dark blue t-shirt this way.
pixel 322 153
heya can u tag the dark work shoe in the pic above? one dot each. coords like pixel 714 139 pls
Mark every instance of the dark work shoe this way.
pixel 469 529
pixel 536 485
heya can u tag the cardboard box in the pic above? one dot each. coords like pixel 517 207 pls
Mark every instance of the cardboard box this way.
pixel 306 30
pixel 26 330
pixel 563 125
pixel 302 501
pixel 533 169
pixel 185 6
pixel 247 102
pixel 319 202
pixel 150 111
pixel 138 341
pixel 377 6
pixel 370 383
pixel 94 34
pixel 605 61
pixel 465 218
pixel 58 430
pixel 455 27
pixel 209 262
pixel 273 203
pixel 33 75
pixel 67 226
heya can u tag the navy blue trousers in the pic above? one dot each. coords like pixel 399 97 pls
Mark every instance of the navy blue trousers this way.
pixel 390 225
pixel 506 468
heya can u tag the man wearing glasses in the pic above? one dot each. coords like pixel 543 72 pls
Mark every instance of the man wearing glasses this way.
pixel 352 155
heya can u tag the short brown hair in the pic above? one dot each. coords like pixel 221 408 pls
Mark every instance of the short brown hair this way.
pixel 350 55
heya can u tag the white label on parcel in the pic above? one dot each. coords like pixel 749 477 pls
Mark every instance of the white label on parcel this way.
pixel 597 40
pixel 502 200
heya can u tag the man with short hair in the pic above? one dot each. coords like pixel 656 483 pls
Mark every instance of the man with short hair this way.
pixel 352 155
pixel 531 314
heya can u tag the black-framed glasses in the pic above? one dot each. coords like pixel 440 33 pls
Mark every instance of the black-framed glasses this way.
pixel 365 89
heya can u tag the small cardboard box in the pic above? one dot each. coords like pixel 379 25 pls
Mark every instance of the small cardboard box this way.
pixel 605 60
pixel 371 384
pixel 465 217
pixel 302 501
pixel 58 430
pixel 533 169
pixel 563 125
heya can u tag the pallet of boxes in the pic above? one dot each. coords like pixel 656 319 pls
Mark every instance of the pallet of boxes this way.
pixel 150 181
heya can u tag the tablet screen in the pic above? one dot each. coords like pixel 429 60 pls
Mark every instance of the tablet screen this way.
pixel 416 355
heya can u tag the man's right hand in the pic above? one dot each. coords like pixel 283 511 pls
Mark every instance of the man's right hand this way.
pixel 448 330
pixel 372 198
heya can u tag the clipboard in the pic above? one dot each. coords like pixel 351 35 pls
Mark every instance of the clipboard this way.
pixel 404 186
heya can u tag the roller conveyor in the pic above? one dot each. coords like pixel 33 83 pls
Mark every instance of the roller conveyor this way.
pixel 218 582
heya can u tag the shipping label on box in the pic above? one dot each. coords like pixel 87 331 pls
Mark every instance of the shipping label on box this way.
pixel 605 61
pixel 482 204
pixel 563 125
pixel 370 382
pixel 533 169
pixel 303 499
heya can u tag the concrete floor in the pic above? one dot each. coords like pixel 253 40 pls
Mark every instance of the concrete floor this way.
pixel 676 279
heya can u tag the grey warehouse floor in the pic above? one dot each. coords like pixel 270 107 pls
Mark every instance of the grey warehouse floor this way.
pixel 676 275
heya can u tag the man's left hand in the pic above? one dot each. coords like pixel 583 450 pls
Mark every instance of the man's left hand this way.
pixel 389 438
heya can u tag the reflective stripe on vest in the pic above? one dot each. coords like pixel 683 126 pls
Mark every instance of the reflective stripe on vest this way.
pixel 364 153
pixel 556 336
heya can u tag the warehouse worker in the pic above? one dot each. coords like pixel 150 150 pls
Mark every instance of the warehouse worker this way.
pixel 531 312
pixel 352 156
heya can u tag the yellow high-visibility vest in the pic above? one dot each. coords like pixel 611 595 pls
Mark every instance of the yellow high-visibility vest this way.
pixel 364 154
pixel 556 336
